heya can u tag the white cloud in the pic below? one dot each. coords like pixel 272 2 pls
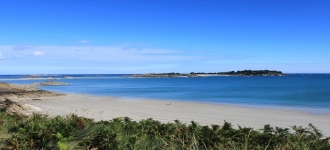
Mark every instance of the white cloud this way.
pixel 1 56
pixel 38 53
pixel 84 42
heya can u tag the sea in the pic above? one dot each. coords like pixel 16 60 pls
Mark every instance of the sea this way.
pixel 305 92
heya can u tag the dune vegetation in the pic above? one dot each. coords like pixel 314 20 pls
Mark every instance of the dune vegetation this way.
pixel 73 132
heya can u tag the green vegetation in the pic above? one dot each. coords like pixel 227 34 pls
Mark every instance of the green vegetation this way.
pixel 74 132
pixel 253 73
pixel 199 74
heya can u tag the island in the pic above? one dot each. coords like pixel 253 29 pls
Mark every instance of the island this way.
pixel 202 74
pixel 254 73
pixel 51 83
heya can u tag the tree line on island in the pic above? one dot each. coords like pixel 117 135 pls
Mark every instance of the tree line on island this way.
pixel 229 73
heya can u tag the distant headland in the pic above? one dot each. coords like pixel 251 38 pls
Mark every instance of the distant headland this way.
pixel 202 74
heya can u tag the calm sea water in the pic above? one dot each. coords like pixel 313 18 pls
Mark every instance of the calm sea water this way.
pixel 310 92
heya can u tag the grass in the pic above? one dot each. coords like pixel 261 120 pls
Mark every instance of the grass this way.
pixel 74 132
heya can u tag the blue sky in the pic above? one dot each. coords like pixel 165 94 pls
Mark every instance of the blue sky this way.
pixel 148 36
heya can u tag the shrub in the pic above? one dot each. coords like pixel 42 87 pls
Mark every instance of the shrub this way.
pixel 74 132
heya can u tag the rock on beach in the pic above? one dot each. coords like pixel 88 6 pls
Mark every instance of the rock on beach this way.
pixel 9 93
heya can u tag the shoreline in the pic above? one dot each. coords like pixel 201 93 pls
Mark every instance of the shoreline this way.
pixel 107 108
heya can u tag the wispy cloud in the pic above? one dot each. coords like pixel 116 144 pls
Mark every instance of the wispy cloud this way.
pixel 114 59
pixel 117 54
pixel 1 56
pixel 106 54
pixel 38 53
pixel 17 56
pixel 84 42
pixel 23 47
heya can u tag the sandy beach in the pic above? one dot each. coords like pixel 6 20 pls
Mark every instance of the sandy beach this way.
pixel 106 108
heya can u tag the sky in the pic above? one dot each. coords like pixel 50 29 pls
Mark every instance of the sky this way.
pixel 156 36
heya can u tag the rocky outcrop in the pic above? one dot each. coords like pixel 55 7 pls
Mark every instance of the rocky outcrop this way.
pixel 8 92
pixel 29 94
pixel 51 83
pixel 26 91
pixel 11 106
pixel 12 87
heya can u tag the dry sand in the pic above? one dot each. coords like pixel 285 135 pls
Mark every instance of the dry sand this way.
pixel 106 108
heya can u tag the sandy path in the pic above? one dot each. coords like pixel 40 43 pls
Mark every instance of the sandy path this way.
pixel 106 108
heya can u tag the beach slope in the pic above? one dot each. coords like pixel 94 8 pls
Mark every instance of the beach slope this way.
pixel 106 108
